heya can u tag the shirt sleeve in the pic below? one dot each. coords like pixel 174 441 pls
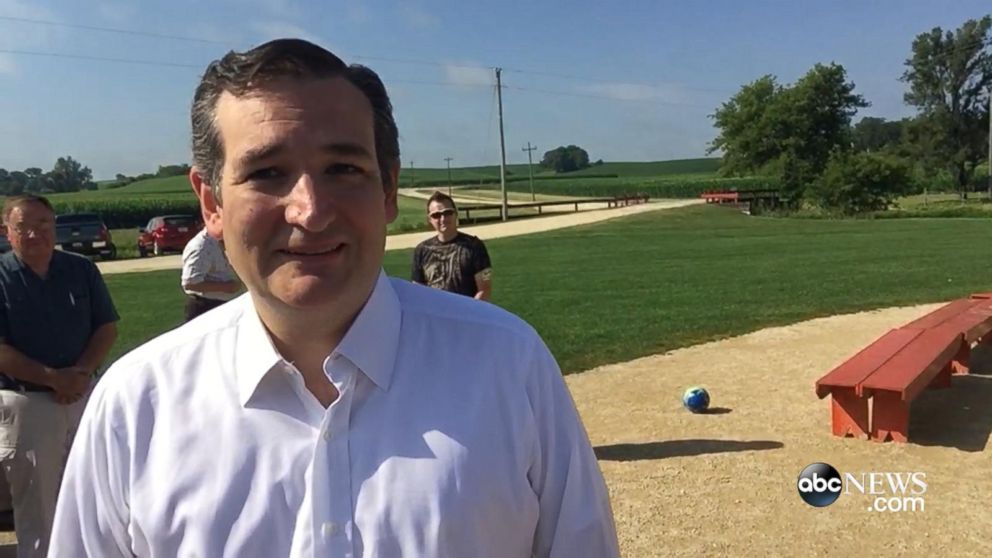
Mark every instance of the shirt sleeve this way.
pixel 574 506
pixel 481 258
pixel 92 511
pixel 196 263
pixel 417 268
pixel 102 307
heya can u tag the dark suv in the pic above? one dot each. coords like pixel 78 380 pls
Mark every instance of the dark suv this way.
pixel 84 233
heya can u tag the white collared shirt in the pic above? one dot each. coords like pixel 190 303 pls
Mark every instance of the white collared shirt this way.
pixel 453 435
pixel 204 260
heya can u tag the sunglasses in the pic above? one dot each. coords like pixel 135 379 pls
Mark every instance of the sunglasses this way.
pixel 443 213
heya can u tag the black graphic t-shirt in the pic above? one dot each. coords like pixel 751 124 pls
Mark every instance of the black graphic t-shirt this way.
pixel 450 266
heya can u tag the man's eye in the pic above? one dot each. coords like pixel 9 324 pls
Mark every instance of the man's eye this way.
pixel 343 168
pixel 267 173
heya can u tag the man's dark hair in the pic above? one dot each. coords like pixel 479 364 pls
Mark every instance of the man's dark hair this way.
pixel 239 73
pixel 20 200
pixel 438 196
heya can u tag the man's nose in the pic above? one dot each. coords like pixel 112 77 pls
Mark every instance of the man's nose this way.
pixel 309 206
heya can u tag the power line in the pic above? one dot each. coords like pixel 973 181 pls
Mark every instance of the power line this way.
pixel 411 61
pixel 418 62
pixel 592 80
pixel 606 97
pixel 196 66
pixel 111 30
pixel 102 58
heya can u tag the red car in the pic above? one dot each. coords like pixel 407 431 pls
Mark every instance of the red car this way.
pixel 167 233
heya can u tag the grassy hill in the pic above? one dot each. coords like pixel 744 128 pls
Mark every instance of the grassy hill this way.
pixel 467 175
pixel 654 168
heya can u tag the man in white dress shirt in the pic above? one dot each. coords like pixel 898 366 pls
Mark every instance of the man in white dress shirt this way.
pixel 207 277
pixel 330 411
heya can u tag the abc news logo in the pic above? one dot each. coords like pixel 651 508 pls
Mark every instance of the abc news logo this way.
pixel 820 484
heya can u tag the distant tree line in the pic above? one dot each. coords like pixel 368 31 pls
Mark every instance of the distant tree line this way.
pixel 164 171
pixel 67 175
pixel 802 134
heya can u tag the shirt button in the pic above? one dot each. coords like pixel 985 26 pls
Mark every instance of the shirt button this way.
pixel 329 529
pixel 327 435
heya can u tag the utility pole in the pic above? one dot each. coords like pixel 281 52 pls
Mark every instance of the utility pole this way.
pixel 502 144
pixel 530 171
pixel 448 160
pixel 413 178
pixel 989 160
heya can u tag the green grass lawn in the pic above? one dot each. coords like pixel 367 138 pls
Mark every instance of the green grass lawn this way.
pixel 646 284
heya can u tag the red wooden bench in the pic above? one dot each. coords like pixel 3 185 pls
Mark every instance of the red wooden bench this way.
pixel 924 362
pixel 972 317
pixel 848 408
pixel 898 366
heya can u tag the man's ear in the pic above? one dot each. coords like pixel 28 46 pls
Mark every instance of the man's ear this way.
pixel 210 207
pixel 390 185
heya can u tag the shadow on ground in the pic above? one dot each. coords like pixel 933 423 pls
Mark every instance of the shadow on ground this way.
pixel 679 448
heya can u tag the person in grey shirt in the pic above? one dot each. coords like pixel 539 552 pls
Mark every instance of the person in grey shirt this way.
pixel 207 278
pixel 57 324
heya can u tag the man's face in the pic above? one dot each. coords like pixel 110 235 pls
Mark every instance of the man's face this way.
pixel 31 231
pixel 304 210
pixel 443 218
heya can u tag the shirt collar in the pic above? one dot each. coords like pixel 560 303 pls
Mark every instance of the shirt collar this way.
pixel 370 343
pixel 373 339
pixel 54 264
pixel 255 355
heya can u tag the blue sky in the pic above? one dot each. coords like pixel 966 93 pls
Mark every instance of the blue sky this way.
pixel 627 80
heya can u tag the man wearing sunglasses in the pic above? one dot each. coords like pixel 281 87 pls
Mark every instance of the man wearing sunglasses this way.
pixel 451 261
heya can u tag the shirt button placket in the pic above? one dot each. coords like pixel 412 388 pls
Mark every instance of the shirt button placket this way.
pixel 335 436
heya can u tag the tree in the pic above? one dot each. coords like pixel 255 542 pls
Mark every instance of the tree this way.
pixel 787 131
pixel 747 122
pixel 949 75
pixel 875 134
pixel 172 170
pixel 565 159
pixel 857 182
pixel 18 180
pixel 37 181
pixel 69 175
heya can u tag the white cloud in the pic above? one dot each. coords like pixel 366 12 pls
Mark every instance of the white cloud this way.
pixel 467 74
pixel 668 93
pixel 419 18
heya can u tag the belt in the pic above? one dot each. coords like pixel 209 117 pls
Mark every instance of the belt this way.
pixel 32 388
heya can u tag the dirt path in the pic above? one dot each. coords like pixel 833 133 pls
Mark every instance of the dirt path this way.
pixel 402 241
pixel 725 484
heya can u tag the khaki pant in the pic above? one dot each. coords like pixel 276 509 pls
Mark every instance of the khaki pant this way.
pixel 35 436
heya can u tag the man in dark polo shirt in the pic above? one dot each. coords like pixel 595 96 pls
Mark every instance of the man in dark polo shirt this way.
pixel 451 261
pixel 57 324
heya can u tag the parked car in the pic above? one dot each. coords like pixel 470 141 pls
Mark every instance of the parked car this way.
pixel 84 233
pixel 167 233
